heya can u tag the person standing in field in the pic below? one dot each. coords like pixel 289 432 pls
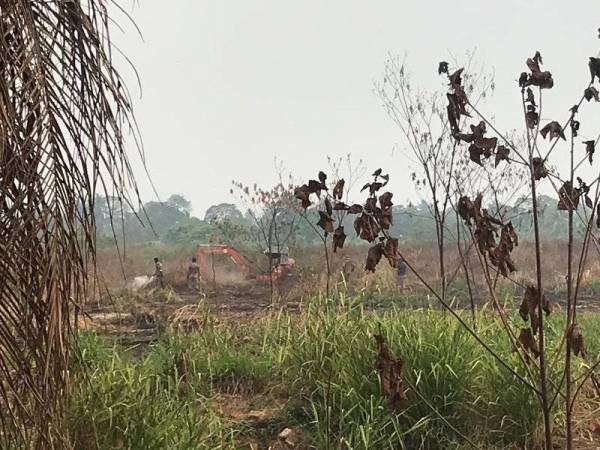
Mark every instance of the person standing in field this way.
pixel 401 269
pixel 158 273
pixel 347 269
pixel 193 275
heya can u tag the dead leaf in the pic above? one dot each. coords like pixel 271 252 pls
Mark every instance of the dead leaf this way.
pixel 465 137
pixel 568 197
pixel 458 102
pixel 539 169
pixel 322 177
pixel 442 67
pixel 554 129
pixel 468 209
pixel 590 148
pixel 574 127
pixel 594 65
pixel 390 373
pixel 452 119
pixel 576 341
pixel 355 209
pixel 523 79
pixel 456 78
pixel 366 227
pixel 532 118
pixel 303 193
pixel 374 187
pixel 537 78
pixel 478 130
pixel 339 237
pixel 530 98
pixel 386 218
pixel 325 222
pixel 315 187
pixel 385 200
pixel 338 190
pixel 391 251
pixel 486 144
pixel 373 257
pixel 530 306
pixel 591 93
pixel 528 342
pixel 376 173
pixel 475 154
pixel 502 154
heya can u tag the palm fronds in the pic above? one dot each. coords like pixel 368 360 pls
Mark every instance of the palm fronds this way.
pixel 63 111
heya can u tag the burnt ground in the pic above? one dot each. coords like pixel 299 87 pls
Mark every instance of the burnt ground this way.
pixel 137 318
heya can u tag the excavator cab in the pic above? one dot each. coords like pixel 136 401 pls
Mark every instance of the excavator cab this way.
pixel 280 257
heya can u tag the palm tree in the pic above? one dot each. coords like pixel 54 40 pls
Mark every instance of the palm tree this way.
pixel 63 112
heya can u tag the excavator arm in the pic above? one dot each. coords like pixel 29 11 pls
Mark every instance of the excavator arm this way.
pixel 238 259
pixel 277 271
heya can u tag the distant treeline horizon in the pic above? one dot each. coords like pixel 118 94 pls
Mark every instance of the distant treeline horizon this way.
pixel 172 223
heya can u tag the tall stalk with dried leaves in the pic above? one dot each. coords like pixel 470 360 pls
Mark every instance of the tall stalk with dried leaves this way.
pixel 485 227
pixel 489 228
pixel 64 111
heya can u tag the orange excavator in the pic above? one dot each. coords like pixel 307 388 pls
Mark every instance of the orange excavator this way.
pixel 281 263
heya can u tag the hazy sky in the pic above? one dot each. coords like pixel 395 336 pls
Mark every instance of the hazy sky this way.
pixel 227 86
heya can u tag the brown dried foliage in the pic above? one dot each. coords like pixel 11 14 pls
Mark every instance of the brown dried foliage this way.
pixel 537 77
pixel 486 232
pixel 576 341
pixel 530 307
pixel 528 342
pixel 374 217
pixel 390 373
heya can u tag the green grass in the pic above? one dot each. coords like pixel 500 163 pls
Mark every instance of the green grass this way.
pixel 318 369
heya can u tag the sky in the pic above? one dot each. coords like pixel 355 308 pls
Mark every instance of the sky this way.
pixel 229 86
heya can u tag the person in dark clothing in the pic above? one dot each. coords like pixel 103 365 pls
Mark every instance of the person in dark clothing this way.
pixel 158 276
pixel 193 275
pixel 347 269
pixel 401 270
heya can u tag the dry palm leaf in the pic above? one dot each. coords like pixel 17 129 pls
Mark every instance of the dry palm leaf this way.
pixel 65 112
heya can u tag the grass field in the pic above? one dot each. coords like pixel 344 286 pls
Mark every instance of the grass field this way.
pixel 237 383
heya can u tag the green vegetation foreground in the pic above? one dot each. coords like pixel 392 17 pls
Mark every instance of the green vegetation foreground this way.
pixel 238 385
